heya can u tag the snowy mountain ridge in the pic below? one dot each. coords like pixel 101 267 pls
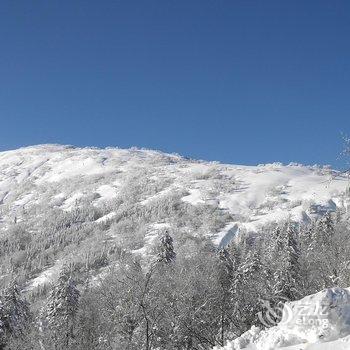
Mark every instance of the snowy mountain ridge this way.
pixel 253 195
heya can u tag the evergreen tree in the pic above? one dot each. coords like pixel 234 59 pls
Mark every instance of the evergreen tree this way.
pixel 14 314
pixel 61 311
pixel 249 288
pixel 287 274
pixel 325 230
pixel 166 253
pixel 227 266
pixel 330 247
pixel 323 253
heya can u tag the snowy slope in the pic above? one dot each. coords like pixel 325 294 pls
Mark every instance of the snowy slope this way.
pixel 129 197
pixel 316 322
pixel 254 195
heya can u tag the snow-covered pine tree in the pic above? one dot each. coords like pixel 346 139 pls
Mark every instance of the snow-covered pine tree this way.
pixel 227 265
pixel 325 229
pixel 252 265
pixel 287 275
pixel 61 310
pixel 330 249
pixel 166 250
pixel 249 288
pixel 323 253
pixel 14 313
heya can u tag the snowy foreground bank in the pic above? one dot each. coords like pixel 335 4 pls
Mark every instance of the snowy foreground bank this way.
pixel 316 322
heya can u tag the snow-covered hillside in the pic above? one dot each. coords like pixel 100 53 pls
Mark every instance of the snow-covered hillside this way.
pixel 253 195
pixel 316 322
pixel 95 211
pixel 42 187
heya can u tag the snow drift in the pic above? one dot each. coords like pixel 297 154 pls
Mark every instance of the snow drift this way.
pixel 316 322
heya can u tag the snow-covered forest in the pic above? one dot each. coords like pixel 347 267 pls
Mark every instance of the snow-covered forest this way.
pixel 137 249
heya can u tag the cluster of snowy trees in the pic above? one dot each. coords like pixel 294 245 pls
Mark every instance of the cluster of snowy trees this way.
pixel 14 315
pixel 44 234
pixel 191 296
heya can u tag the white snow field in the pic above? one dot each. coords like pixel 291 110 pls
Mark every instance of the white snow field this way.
pixel 316 322
pixel 254 195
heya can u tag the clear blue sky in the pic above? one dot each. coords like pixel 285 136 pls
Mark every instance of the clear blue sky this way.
pixel 236 81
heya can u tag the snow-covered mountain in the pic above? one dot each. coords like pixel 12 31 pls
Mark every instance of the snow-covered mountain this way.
pixel 89 207
pixel 252 195
pixel 46 184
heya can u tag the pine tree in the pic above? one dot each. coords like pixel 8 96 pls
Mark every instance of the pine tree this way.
pixel 329 250
pixel 14 314
pixel 323 253
pixel 61 310
pixel 325 229
pixel 227 266
pixel 249 288
pixel 252 265
pixel 287 275
pixel 166 253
